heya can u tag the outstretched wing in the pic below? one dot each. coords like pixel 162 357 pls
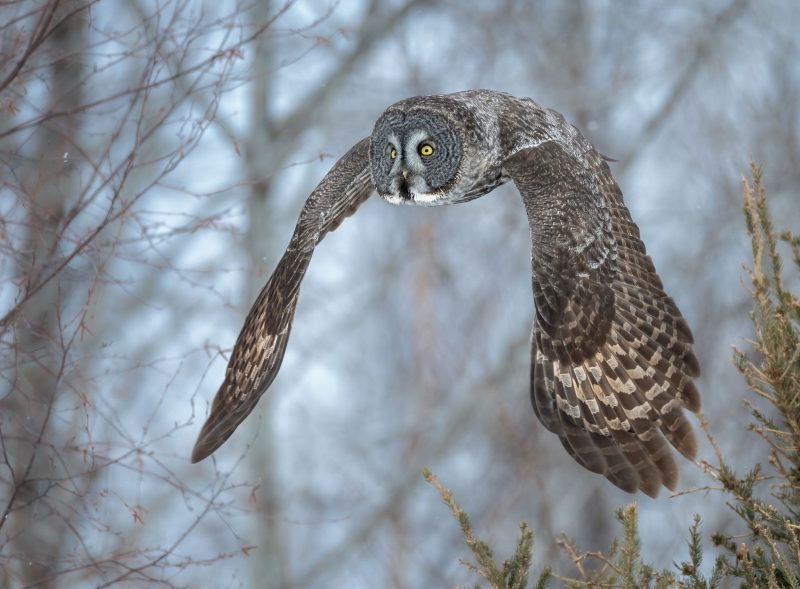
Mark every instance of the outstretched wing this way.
pixel 259 349
pixel 612 358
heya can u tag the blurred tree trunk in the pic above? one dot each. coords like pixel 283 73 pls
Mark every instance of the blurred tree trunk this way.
pixel 270 568
pixel 268 145
pixel 41 347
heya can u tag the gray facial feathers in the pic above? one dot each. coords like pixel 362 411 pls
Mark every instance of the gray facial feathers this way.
pixel 413 170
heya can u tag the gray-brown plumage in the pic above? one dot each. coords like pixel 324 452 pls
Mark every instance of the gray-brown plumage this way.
pixel 259 349
pixel 612 359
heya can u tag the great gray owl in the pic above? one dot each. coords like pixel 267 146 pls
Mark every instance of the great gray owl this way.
pixel 612 360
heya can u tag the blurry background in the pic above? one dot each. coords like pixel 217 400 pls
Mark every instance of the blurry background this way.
pixel 153 159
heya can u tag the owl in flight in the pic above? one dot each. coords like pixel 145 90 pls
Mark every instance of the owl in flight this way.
pixel 612 364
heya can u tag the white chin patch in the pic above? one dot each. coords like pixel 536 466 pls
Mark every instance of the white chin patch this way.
pixel 417 198
pixel 393 199
pixel 425 198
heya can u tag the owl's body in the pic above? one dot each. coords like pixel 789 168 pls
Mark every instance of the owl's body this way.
pixel 612 359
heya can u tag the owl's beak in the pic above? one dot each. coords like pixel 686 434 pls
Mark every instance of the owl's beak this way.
pixel 405 174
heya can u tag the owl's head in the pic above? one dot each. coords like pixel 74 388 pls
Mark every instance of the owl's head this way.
pixel 416 155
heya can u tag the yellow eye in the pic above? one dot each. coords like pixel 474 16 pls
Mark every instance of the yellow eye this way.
pixel 426 149
pixel 393 153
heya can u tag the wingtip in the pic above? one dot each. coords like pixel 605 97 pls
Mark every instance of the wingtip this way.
pixel 201 448
pixel 215 431
pixel 207 442
pixel 651 491
pixel 198 454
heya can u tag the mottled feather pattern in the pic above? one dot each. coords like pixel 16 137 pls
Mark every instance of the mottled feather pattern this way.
pixel 259 349
pixel 610 380
pixel 612 365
